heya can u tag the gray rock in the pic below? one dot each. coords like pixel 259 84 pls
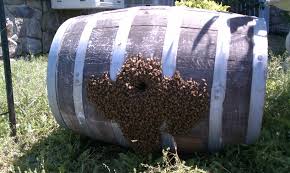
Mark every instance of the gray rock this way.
pixel 37 14
pixel 19 49
pixel 9 27
pixel 14 27
pixel 46 4
pixel 7 14
pixel 34 4
pixel 47 38
pixel 22 11
pixel 31 28
pixel 50 21
pixel 12 38
pixel 12 48
pixel 31 46
pixel 14 2
pixel 18 22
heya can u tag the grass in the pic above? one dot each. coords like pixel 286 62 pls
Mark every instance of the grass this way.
pixel 44 147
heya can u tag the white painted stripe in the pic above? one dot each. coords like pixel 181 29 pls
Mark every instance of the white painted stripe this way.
pixel 118 58
pixel 119 136
pixel 169 53
pixel 219 83
pixel 168 142
pixel 52 71
pixel 258 88
pixel 119 47
pixel 78 72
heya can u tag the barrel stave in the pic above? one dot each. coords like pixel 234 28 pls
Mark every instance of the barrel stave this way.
pixel 239 73
pixel 146 40
pixel 65 68
pixel 195 59
pixel 97 61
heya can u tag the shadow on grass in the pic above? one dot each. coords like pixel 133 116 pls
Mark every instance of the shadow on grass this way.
pixel 63 151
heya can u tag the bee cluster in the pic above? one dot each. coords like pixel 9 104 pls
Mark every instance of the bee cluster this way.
pixel 142 101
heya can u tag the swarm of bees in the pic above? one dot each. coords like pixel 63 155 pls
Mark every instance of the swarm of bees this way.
pixel 145 103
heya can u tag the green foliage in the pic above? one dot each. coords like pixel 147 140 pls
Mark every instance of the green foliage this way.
pixel 278 90
pixel 33 117
pixel 171 162
pixel 203 4
pixel 44 147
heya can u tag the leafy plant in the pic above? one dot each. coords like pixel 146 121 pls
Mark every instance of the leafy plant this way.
pixel 203 4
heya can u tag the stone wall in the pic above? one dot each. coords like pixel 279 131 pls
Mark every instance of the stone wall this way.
pixel 24 19
pixel 31 25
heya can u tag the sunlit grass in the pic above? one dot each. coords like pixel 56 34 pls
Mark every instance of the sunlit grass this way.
pixel 44 147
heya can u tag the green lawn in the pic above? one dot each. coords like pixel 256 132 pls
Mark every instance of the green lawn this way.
pixel 44 147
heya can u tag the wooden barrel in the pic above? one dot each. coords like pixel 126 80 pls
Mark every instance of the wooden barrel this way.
pixel 228 50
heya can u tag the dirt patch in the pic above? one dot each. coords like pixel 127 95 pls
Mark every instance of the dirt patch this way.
pixel 144 102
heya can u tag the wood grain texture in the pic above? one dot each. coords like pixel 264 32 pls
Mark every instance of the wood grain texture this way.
pixel 52 72
pixel 91 22
pixel 65 72
pixel 98 58
pixel 195 59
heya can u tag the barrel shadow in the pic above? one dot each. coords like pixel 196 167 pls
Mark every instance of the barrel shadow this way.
pixel 63 151
pixel 203 32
